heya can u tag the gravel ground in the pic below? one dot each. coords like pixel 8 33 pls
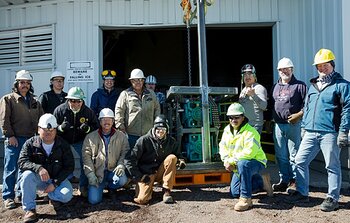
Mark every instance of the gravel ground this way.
pixel 193 204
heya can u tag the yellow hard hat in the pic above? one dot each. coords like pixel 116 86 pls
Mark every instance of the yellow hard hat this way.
pixel 323 56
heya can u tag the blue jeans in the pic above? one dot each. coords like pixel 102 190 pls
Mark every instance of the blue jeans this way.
pixel 11 167
pixel 311 144
pixel 287 140
pixel 247 179
pixel 83 181
pixel 111 181
pixel 132 140
pixel 30 182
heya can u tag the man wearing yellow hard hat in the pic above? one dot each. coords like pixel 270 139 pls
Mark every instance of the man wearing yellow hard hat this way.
pixel 325 127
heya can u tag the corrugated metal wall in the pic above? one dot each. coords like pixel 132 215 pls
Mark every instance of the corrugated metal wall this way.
pixel 301 26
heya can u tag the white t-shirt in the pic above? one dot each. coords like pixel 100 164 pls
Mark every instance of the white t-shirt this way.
pixel 47 148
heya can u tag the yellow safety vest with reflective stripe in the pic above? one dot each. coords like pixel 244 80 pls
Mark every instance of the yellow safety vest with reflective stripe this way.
pixel 245 145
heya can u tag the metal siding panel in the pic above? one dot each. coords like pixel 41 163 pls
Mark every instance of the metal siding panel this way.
pixel 248 10
pixel 136 12
pixel 48 13
pixel 4 18
pixel 119 8
pixel 265 9
pixel 33 14
pixel 213 13
pixel 155 11
pixel 17 17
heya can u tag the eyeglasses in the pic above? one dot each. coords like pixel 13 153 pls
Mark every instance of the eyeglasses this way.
pixel 58 80
pixel 234 117
pixel 25 82
pixel 48 129
pixel 75 101
pixel 137 80
pixel 109 72
pixel 161 128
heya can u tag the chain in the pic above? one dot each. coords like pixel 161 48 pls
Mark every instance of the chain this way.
pixel 189 54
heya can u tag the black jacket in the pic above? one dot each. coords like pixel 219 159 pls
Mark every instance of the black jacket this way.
pixel 85 115
pixel 50 100
pixel 149 153
pixel 59 164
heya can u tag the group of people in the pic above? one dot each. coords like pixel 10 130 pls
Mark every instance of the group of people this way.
pixel 131 144
pixel 304 121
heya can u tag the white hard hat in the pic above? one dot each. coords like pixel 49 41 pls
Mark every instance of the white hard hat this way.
pixel 151 80
pixel 47 121
pixel 23 75
pixel 235 109
pixel 136 74
pixel 56 74
pixel 106 113
pixel 284 63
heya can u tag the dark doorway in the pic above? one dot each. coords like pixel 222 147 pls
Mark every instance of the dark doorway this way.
pixel 163 53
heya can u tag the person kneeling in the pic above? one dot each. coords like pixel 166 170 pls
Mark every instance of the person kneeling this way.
pixel 103 158
pixel 154 159
pixel 46 161
pixel 241 152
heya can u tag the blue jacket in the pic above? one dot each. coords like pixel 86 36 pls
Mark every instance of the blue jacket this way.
pixel 328 110
pixel 101 99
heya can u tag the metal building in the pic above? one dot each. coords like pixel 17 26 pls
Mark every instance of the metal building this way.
pixel 44 35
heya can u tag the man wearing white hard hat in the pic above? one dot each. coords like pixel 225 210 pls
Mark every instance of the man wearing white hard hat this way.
pixel 136 108
pixel 51 99
pixel 242 155
pixel 325 127
pixel 19 116
pixel 104 151
pixel 46 161
pixel 286 104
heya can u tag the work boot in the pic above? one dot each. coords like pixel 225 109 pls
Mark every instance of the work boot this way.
pixel 112 194
pixel 267 184
pixel 167 198
pixel 329 204
pixel 297 197
pixel 292 187
pixel 280 187
pixel 55 204
pixel 9 203
pixel 83 191
pixel 30 216
pixel 243 204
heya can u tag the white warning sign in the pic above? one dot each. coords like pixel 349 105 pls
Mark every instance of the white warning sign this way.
pixel 80 71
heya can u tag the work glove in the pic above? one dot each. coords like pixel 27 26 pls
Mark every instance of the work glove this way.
pixel 65 126
pixel 84 128
pixel 92 178
pixel 302 132
pixel 119 170
pixel 145 179
pixel 182 164
pixel 342 140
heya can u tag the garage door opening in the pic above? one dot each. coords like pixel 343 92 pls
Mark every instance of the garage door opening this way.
pixel 163 53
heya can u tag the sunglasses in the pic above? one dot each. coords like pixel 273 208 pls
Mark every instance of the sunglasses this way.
pixel 75 101
pixel 161 128
pixel 137 80
pixel 234 117
pixel 109 72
